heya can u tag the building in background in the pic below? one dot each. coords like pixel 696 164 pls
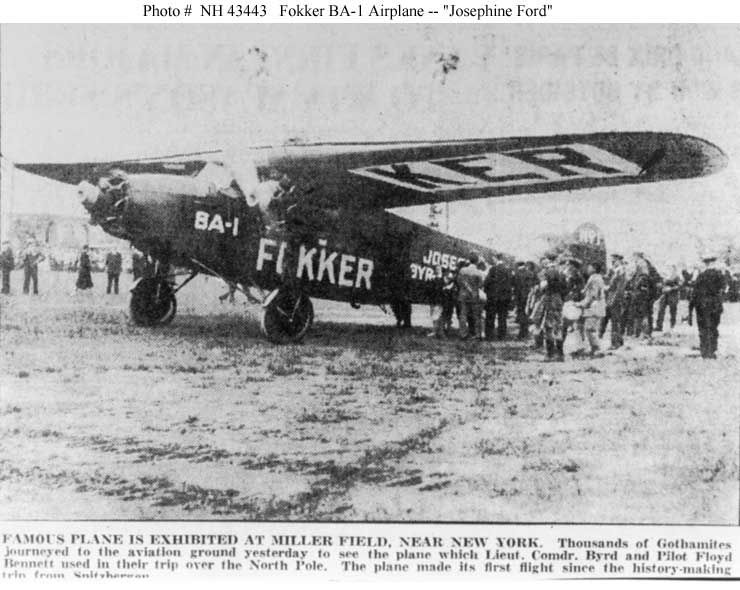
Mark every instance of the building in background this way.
pixel 48 213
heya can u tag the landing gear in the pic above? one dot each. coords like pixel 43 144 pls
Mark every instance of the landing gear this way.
pixel 287 316
pixel 153 302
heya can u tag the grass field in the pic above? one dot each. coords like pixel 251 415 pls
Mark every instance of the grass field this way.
pixel 203 419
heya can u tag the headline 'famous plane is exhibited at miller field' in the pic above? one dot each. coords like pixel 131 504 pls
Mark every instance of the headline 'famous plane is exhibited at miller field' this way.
pixel 302 221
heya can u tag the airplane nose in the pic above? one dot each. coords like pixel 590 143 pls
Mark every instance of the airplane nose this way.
pixel 88 194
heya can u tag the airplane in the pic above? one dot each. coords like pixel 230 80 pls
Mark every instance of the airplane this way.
pixel 302 221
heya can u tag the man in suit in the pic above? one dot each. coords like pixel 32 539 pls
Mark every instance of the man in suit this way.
pixel 524 279
pixel 669 298
pixel 113 265
pixel 469 282
pixel 498 287
pixel 708 294
pixel 616 281
pixel 30 262
pixel 640 298
pixel 7 264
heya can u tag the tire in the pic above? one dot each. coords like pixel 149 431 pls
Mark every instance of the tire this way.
pixel 287 318
pixel 152 303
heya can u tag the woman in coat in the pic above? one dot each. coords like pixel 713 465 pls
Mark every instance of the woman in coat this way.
pixel 84 270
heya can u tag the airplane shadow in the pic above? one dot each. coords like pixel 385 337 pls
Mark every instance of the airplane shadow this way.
pixel 245 329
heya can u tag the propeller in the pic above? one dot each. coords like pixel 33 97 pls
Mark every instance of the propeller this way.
pixel 106 200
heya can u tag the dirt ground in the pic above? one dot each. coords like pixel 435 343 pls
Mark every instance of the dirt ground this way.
pixel 203 419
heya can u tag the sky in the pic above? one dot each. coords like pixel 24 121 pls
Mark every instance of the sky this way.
pixel 96 92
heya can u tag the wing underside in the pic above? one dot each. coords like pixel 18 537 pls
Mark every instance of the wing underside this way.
pixel 476 169
pixel 387 175
pixel 74 173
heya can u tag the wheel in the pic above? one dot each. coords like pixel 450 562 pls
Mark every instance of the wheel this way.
pixel 287 318
pixel 152 303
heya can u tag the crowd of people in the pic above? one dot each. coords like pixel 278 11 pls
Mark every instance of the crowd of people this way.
pixel 32 255
pixel 564 298
pixel 560 299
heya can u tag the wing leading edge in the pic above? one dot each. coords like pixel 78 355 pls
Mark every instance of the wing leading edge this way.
pixel 74 173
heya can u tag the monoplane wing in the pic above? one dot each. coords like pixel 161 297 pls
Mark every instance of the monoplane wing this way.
pixel 397 175
pixel 76 172
pixel 389 175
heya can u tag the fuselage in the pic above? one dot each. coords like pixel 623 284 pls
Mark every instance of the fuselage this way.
pixel 344 254
pixel 317 215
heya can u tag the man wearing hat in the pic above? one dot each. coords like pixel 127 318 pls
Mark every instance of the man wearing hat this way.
pixel 707 296
pixel 7 264
pixel 640 302
pixel 616 280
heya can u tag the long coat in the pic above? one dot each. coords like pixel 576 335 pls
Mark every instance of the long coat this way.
pixel 84 274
